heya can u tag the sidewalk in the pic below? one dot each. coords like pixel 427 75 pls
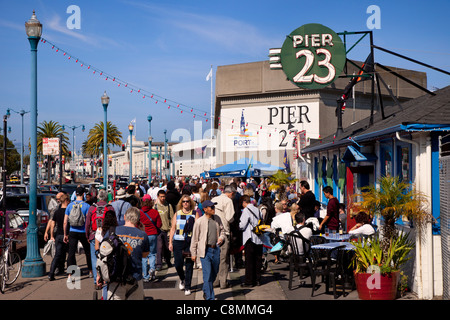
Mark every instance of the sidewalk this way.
pixel 165 287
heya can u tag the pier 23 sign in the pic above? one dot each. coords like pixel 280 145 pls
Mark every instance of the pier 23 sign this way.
pixel 312 56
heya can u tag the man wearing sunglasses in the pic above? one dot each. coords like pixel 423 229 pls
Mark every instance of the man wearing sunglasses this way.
pixel 207 237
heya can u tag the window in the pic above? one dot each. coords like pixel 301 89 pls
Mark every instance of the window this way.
pixel 405 165
pixel 386 160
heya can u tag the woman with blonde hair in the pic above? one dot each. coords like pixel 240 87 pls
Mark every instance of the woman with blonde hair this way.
pixel 181 230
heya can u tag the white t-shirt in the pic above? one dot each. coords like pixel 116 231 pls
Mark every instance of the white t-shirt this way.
pixel 307 233
pixel 283 221
pixel 364 230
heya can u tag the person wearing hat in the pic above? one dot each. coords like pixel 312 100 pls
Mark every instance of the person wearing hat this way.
pixel 207 237
pixel 120 206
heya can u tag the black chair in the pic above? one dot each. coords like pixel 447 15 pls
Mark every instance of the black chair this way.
pixel 317 240
pixel 322 265
pixel 338 272
pixel 298 258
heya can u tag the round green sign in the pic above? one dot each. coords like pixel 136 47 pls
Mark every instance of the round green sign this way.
pixel 312 56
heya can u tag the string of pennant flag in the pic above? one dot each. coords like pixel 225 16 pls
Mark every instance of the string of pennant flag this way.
pixel 157 99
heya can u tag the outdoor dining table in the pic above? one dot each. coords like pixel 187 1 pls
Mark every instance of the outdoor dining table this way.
pixel 337 237
pixel 331 245
pixel 349 249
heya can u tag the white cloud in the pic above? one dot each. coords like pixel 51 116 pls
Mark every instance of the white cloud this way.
pixel 12 25
pixel 219 31
pixel 55 24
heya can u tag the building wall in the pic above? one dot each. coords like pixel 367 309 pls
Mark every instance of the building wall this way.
pixel 194 157
pixel 255 88
pixel 120 161
pixel 425 271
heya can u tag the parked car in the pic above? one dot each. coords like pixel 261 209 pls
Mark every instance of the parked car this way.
pixel 21 204
pixel 14 179
pixel 16 188
pixel 16 229
pixel 48 188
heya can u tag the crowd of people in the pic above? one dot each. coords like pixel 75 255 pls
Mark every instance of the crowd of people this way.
pixel 196 223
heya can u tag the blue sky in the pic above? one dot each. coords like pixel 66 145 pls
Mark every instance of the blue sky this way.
pixel 167 48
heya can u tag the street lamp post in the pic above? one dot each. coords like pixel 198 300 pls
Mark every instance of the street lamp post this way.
pixel 22 113
pixel 33 265
pixel 105 102
pixel 160 163
pixel 165 156
pixel 5 139
pixel 149 118
pixel 130 128
pixel 73 139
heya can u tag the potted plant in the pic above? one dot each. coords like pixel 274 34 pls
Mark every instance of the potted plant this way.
pixel 377 272
pixel 384 255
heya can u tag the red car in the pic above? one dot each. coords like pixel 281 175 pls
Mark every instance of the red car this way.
pixel 16 229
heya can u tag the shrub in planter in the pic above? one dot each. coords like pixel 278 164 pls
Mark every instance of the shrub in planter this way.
pixel 377 272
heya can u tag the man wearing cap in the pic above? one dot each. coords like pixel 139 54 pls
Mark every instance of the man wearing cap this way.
pixel 77 233
pixel 207 237
pixel 120 206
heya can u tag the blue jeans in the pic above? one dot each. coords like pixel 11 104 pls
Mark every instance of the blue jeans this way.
pixel 93 260
pixel 266 242
pixel 210 268
pixel 151 258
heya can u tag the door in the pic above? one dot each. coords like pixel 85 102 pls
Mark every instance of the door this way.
pixel 357 178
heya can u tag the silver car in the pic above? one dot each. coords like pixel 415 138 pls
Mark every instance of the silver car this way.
pixel 21 204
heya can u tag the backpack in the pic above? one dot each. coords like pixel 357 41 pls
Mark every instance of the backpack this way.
pixel 113 261
pixel 98 214
pixel 76 216
pixel 213 193
pixel 260 226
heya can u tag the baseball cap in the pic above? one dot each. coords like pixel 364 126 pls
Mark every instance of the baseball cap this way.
pixel 208 203
pixel 146 197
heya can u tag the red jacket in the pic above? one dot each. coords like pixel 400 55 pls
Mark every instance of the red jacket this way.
pixel 150 228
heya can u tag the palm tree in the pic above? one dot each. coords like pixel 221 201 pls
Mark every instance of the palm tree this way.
pixel 394 199
pixel 93 145
pixel 280 180
pixel 12 157
pixel 52 129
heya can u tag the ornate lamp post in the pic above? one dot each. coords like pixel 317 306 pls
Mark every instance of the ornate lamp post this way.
pixel 33 265
pixel 83 128
pixel 130 128
pixel 105 102
pixel 165 156
pixel 149 118
pixel 22 113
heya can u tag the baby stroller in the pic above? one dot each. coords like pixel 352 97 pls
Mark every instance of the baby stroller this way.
pixel 276 245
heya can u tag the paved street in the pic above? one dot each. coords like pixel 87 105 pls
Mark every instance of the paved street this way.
pixel 274 287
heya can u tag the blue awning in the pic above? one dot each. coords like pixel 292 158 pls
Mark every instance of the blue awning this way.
pixel 354 155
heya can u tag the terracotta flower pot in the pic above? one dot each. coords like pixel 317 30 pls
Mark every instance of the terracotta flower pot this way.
pixel 377 286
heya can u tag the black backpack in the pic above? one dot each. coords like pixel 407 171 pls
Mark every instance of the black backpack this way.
pixel 213 193
pixel 114 261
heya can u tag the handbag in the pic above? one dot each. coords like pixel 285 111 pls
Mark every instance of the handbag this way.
pixel 157 229
pixel 50 248
pixel 189 226
pixel 260 226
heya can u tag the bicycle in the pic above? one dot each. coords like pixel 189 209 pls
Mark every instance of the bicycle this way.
pixel 10 264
